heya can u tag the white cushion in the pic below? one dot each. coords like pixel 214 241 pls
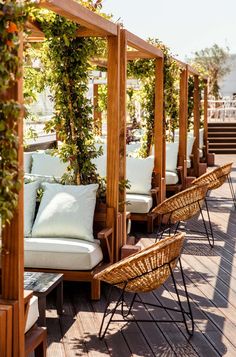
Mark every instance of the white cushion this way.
pixel 101 165
pixel 30 193
pixel 139 203
pixel 172 156
pixel 40 178
pixel 62 253
pixel 33 313
pixel 201 138
pixel 133 147
pixel 188 163
pixel 45 164
pixel 171 178
pixel 190 143
pixel 66 211
pixel 200 153
pixel 27 162
pixel 139 174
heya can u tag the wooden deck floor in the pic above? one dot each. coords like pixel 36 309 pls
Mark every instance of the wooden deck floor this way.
pixel 211 281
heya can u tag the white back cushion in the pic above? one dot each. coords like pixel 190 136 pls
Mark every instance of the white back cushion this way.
pixel 66 211
pixel 27 162
pixel 190 143
pixel 201 138
pixel 139 174
pixel 172 156
pixel 101 165
pixel 30 192
pixel 45 164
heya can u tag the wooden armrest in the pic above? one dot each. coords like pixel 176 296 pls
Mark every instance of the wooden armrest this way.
pixel 154 192
pixel 105 233
pixel 103 236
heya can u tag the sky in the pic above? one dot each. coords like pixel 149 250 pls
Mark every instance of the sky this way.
pixel 185 26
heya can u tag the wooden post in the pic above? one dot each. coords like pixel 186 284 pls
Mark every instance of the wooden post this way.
pixel 183 116
pixel 122 147
pixel 13 241
pixel 196 114
pixel 113 82
pixel 159 129
pixel 97 115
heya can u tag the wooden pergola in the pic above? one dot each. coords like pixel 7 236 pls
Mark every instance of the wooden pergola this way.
pixel 12 303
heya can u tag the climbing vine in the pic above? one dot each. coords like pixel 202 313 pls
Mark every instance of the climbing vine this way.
pixel 13 16
pixel 145 71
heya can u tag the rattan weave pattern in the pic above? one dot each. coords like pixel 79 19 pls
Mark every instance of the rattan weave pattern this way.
pixel 146 270
pixel 183 205
pixel 214 178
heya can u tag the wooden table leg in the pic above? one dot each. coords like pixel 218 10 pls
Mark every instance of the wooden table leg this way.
pixel 42 310
pixel 59 302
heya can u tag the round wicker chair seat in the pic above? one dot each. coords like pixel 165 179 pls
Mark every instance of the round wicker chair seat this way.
pixel 214 178
pixel 146 270
pixel 184 205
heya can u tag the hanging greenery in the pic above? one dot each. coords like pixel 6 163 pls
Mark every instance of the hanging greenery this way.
pixel 13 16
pixel 144 70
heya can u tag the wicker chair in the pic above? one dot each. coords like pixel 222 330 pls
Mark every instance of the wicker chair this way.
pixel 143 272
pixel 183 206
pixel 216 178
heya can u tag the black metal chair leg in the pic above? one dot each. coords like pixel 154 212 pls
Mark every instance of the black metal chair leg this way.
pixel 206 230
pixel 232 190
pixel 111 313
pixel 209 220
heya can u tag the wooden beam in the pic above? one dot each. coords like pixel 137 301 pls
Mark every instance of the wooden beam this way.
pixel 132 55
pixel 13 234
pixel 183 116
pixel 79 14
pixel 193 71
pixel 101 62
pixel 205 111
pixel 159 129
pixel 113 83
pixel 122 147
pixel 143 46
pixel 196 115
pixel 84 32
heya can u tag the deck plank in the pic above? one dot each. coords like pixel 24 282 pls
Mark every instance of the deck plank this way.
pixel 211 282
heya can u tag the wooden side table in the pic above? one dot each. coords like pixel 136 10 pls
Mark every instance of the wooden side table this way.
pixel 42 284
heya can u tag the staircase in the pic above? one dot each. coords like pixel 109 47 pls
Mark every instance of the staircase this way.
pixel 222 137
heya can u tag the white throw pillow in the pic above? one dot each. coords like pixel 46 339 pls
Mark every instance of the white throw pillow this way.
pixel 172 150
pixel 45 164
pixel 66 211
pixel 30 193
pixel 139 173
pixel 101 165
pixel 190 143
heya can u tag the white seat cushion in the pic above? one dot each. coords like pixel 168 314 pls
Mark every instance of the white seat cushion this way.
pixel 200 153
pixel 188 163
pixel 172 156
pixel 30 193
pixel 45 164
pixel 190 143
pixel 62 253
pixel 201 138
pixel 138 203
pixel 66 211
pixel 33 313
pixel 171 178
pixel 139 174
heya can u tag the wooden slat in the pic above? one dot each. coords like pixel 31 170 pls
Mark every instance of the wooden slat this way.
pixel 143 46
pixel 183 112
pixel 79 14
pixel 159 129
pixel 113 73
pixel 132 55
pixel 205 108
pixel 122 139
pixel 196 115
pixel 13 234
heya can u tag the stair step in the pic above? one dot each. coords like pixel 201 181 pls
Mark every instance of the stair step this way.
pixel 222 139
pixel 222 133
pixel 223 151
pixel 222 145
pixel 223 124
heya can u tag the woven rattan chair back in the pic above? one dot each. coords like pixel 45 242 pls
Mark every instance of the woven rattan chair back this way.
pixel 214 178
pixel 184 205
pixel 146 270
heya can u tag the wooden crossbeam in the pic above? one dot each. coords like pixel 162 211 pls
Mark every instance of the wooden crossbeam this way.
pixel 143 46
pixel 79 14
pixel 132 55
